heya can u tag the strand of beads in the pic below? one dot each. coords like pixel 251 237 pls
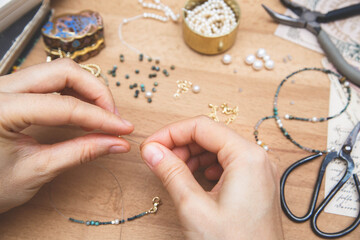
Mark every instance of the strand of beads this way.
pixel 156 5
pixel 212 18
pixel 279 122
pixel 156 202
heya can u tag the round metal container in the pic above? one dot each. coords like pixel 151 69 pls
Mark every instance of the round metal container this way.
pixel 210 45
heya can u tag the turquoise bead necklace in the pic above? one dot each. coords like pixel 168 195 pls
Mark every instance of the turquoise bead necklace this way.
pixel 279 122
pixel 153 210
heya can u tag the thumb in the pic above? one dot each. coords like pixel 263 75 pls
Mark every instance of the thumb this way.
pixel 172 171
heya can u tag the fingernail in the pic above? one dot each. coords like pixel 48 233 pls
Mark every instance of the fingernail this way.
pixel 127 123
pixel 152 155
pixel 118 149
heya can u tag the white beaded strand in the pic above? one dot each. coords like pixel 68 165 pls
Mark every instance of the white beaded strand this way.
pixel 156 5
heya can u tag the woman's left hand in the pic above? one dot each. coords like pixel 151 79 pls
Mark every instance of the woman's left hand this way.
pixel 27 98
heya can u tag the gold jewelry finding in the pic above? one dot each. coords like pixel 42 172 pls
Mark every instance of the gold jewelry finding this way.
pixel 226 110
pixel 183 87
pixel 94 69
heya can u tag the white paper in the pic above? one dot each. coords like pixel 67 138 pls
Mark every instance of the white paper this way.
pixel 346 202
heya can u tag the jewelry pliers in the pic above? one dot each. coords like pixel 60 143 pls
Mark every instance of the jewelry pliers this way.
pixel 311 20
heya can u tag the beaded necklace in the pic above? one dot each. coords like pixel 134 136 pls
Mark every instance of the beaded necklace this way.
pixel 276 116
pixel 157 5
pixel 155 201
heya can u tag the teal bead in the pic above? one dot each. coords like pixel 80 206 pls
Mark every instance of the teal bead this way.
pixel 92 223
pixel 142 85
pixel 172 67
pixel 156 84
pixel 154 89
pixel 149 100
pixel 97 223
pixel 127 76
pixel 137 71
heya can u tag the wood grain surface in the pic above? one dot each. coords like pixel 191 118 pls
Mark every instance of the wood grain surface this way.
pixel 90 192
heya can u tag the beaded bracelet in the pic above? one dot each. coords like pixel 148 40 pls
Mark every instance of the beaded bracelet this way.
pixel 153 210
pixel 155 201
pixel 276 116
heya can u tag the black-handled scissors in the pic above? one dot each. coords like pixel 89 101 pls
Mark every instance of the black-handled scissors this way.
pixel 314 212
pixel 311 21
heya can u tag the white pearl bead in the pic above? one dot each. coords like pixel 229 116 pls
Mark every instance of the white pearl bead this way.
pixel 148 94
pixel 346 84
pixel 257 65
pixel 259 142
pixel 266 148
pixel 287 116
pixel 196 89
pixel 269 64
pixel 117 221
pixel 227 59
pixel 261 53
pixel 314 119
pixel 250 59
pixel 266 58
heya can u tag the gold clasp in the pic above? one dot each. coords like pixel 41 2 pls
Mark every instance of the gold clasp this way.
pixel 156 202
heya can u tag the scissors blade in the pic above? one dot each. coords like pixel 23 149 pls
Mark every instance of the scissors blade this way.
pixel 351 139
pixel 283 19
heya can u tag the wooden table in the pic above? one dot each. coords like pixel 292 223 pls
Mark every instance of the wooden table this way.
pixel 90 191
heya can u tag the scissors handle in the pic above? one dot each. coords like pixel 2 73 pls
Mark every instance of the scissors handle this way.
pixel 339 14
pixel 337 59
pixel 315 195
pixel 344 232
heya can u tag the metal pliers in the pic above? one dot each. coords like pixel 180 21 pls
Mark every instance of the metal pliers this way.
pixel 311 21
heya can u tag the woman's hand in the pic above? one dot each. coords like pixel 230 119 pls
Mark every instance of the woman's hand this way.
pixel 27 98
pixel 244 204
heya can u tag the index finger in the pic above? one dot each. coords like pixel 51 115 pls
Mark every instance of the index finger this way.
pixel 54 77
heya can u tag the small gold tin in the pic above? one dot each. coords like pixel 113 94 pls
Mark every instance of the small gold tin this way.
pixel 210 45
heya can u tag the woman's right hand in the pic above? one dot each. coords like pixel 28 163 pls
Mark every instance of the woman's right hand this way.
pixel 244 204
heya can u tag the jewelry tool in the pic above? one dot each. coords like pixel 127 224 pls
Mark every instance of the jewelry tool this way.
pixel 311 20
pixel 313 212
